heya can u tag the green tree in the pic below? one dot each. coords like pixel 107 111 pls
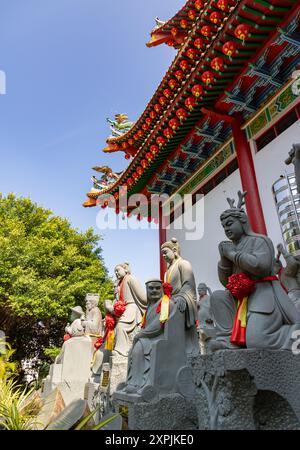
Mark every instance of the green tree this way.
pixel 46 267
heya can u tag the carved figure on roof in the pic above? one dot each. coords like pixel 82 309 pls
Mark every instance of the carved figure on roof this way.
pixel 108 177
pixel 158 23
pixel 120 125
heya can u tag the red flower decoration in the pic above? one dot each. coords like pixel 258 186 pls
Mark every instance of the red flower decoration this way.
pixel 240 285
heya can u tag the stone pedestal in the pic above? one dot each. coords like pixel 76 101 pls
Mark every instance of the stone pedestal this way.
pixel 247 389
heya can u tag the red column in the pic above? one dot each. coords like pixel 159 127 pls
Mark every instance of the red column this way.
pixel 162 240
pixel 248 179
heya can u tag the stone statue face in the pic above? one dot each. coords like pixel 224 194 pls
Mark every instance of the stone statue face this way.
pixel 90 303
pixel 202 292
pixel 168 254
pixel 233 228
pixel 154 291
pixel 120 272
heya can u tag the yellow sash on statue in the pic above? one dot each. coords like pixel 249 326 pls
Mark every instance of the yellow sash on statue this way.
pixel 165 302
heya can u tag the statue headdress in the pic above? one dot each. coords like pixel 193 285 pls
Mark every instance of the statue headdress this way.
pixel 125 266
pixel 237 211
pixel 172 244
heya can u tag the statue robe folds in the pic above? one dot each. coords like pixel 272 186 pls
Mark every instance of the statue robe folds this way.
pixel 180 275
pixel 134 297
pixel 271 316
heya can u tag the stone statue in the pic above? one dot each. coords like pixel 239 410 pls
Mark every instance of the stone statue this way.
pixel 157 362
pixel 181 277
pixel 93 317
pixel 294 158
pixel 205 318
pixel 254 311
pixel 289 275
pixel 76 328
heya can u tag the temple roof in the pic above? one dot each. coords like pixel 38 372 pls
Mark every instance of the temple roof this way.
pixel 235 55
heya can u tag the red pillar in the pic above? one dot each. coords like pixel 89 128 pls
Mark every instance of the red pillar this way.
pixel 162 240
pixel 248 179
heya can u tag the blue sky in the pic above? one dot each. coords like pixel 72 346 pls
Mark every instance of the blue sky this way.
pixel 69 64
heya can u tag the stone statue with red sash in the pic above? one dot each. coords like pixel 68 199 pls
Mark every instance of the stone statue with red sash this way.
pixel 254 311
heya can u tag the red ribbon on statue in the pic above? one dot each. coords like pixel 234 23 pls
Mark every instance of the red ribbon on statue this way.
pixel 67 337
pixel 241 287
pixel 119 308
pixel 164 305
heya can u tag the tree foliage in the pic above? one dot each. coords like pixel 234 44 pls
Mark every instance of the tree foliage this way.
pixel 46 267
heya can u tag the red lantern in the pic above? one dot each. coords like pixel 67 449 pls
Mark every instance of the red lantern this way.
pixel 242 31
pixel 144 163
pixel 222 4
pixel 174 124
pixel 168 133
pixel 172 83
pixel 174 31
pixel 152 114
pixel 197 90
pixel 199 43
pixel 191 53
pixel 181 114
pixel 192 14
pixel 217 64
pixel 167 93
pixel 135 136
pixel 140 133
pixel 145 126
pixel 130 141
pixel 157 107
pixel 229 48
pixel 154 149
pixel 171 42
pixel 160 141
pixel 129 181
pixel 206 31
pixel 215 17
pixel 184 65
pixel 149 156
pixel 135 176
pixel 190 103
pixel 179 75
pixel 140 170
pixel 207 77
pixel 183 23
pixel 148 121
pixel 127 156
pixel 199 4
pixel 124 145
pixel 162 100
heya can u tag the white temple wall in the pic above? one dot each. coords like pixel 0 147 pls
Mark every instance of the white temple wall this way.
pixel 269 165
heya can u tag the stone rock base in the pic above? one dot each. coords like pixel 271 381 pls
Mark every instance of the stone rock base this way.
pixel 169 412
pixel 247 390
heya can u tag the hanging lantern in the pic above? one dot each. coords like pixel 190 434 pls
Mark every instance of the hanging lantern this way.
pixel 127 156
pixel 199 43
pixel 179 75
pixel 135 176
pixel 206 31
pixel 174 124
pixel 162 100
pixel 172 83
pixel 157 107
pixel 207 77
pixel 183 24
pixel 152 114
pixel 124 145
pixel 167 93
pixel 148 121
pixel 199 4
pixel 242 31
pixel 184 65
pixel 215 17
pixel 197 90
pixel 168 133
pixel 192 14
pixel 130 141
pixel 191 53
pixel 217 64
pixel 139 170
pixel 144 163
pixel 145 126
pixel 140 133
pixel 160 141
pixel 174 31
pixel 229 48
pixel 154 149
pixel 149 156
pixel 171 42
pixel 190 103
pixel 130 182
pixel 222 5
pixel 181 113
pixel 135 137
